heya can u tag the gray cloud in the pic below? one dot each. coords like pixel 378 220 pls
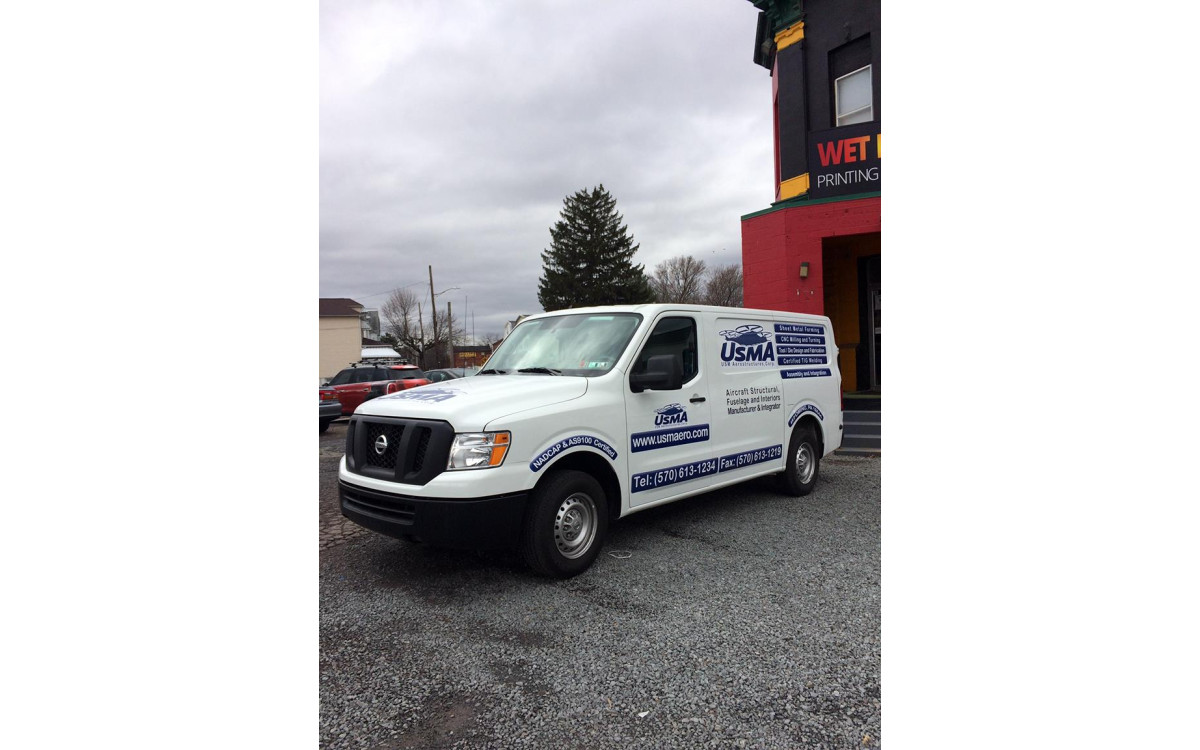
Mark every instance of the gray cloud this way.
pixel 451 132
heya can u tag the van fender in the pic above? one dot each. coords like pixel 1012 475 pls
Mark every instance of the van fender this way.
pixel 571 442
pixel 807 411
pixel 585 451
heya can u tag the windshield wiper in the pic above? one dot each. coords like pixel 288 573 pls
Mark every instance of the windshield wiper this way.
pixel 542 370
pixel 490 371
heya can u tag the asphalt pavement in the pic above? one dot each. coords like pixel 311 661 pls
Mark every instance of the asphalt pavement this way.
pixel 739 618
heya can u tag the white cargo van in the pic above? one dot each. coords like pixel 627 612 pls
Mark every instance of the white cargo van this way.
pixel 584 416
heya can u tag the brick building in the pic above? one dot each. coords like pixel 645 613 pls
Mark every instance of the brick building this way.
pixel 816 248
pixel 471 356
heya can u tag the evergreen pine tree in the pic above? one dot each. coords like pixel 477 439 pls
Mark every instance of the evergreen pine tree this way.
pixel 590 260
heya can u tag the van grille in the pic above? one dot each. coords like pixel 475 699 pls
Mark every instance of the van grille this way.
pixel 411 451
pixel 391 444
pixel 422 448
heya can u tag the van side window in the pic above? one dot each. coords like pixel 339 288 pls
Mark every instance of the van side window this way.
pixel 672 336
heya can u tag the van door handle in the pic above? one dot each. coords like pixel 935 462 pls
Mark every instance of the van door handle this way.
pixel 697 399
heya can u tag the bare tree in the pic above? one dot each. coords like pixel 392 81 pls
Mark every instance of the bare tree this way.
pixel 680 279
pixel 404 314
pixel 724 286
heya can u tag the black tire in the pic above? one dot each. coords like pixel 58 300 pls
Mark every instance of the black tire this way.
pixel 565 524
pixel 802 462
pixel 325 424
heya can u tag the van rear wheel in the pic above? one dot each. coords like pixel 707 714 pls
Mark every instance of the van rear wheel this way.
pixel 565 524
pixel 802 462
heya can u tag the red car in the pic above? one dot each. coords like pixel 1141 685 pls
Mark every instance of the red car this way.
pixel 363 382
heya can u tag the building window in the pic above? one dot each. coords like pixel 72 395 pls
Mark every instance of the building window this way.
pixel 852 97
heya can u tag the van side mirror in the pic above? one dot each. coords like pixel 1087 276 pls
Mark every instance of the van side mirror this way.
pixel 664 372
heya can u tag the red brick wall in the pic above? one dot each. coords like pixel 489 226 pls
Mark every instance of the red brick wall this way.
pixel 775 244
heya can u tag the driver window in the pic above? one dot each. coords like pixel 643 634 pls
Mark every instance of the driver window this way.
pixel 672 336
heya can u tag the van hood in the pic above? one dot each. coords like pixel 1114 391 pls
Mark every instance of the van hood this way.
pixel 470 403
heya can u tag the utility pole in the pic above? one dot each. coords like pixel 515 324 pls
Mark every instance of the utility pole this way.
pixel 433 305
pixel 450 322
pixel 422 357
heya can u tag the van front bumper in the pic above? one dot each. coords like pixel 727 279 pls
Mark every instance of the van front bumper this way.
pixel 485 523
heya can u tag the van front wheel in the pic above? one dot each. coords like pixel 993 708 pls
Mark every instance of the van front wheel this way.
pixel 802 463
pixel 565 524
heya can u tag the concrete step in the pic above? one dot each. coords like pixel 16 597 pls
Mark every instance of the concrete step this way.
pixel 870 442
pixel 861 428
pixel 861 403
pixel 856 452
pixel 860 416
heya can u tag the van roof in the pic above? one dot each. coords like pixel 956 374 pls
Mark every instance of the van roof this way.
pixel 653 309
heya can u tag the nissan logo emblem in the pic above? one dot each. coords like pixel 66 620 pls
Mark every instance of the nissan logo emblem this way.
pixel 380 445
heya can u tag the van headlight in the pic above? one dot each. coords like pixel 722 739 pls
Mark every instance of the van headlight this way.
pixel 478 450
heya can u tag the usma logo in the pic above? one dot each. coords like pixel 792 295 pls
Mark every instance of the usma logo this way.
pixel 427 393
pixel 670 414
pixel 747 343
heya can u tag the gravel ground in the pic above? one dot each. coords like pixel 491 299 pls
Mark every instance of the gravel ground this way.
pixel 740 618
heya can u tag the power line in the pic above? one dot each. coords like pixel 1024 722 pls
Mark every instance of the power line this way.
pixel 387 291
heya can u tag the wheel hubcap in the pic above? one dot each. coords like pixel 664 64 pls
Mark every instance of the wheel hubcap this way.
pixel 806 464
pixel 575 525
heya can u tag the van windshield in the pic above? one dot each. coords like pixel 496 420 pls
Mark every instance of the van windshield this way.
pixel 584 344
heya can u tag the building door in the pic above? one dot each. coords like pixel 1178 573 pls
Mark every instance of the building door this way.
pixel 873 294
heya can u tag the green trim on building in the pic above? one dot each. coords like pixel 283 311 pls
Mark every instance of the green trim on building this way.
pixel 781 14
pixel 802 201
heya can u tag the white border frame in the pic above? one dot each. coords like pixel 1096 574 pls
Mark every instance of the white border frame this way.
pixel 837 118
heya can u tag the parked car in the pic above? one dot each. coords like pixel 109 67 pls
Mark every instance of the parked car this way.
pixel 448 373
pixel 331 408
pixel 363 382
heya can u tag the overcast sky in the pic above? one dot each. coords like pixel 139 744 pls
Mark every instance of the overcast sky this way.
pixel 451 132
